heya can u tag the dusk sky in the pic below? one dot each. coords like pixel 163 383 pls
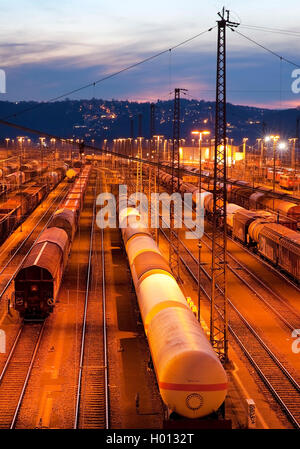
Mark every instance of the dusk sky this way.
pixel 50 47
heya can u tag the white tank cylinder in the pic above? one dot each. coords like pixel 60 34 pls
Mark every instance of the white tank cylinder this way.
pixel 140 244
pixel 191 379
pixel 157 292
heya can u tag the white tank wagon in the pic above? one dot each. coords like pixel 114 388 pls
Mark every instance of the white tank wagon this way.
pixel 191 379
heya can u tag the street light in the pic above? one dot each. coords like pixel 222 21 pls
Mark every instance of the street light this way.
pixel 200 133
pixel 157 183
pixel 7 141
pixel 275 140
pixel 20 139
pixel 42 139
pixel 282 146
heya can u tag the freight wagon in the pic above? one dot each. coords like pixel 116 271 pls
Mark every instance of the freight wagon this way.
pixel 39 278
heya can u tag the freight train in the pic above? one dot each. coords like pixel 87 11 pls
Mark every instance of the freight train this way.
pixel 13 175
pixel 289 181
pixel 190 377
pixel 253 199
pixel 38 280
pixel 14 211
pixel 243 194
pixel 72 174
pixel 272 236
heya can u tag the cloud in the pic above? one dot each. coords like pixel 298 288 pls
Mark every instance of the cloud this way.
pixel 58 46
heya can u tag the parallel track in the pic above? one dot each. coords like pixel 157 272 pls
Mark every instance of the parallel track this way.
pixel 16 372
pixel 92 408
pixel 274 302
pixel 27 243
pixel 282 385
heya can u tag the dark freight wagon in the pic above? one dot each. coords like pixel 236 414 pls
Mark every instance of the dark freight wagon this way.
pixel 38 280
pixel 289 255
pixel 243 219
pixel 241 196
pixel 64 219
pixel 13 210
pixel 268 242
pixel 8 222
pixel 281 246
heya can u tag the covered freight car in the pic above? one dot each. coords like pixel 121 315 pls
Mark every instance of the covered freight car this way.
pixel 38 280
pixel 8 222
pixel 231 211
pixel 281 246
pixel 64 219
pixel 289 254
pixel 241 196
pixel 243 219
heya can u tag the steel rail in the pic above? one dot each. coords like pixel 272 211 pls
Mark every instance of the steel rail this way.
pixel 10 360
pixel 285 372
pixel 61 198
pixel 84 324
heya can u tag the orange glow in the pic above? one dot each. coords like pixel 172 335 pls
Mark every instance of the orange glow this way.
pixel 201 132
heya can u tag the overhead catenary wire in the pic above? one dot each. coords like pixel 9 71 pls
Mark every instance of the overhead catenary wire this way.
pixel 271 30
pixel 169 50
pixel 282 58
pixel 111 75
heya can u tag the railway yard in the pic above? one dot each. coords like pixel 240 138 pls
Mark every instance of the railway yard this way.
pixel 101 334
pixel 150 223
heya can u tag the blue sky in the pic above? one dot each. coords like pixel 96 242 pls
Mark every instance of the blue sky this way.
pixel 50 47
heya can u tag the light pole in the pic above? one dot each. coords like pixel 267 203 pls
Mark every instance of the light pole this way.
pixel 157 184
pixel 245 155
pixel 293 158
pixel 42 153
pixel 260 146
pixel 293 152
pixel 200 133
pixel 20 139
pixel 275 139
pixel 7 140
pixel 199 239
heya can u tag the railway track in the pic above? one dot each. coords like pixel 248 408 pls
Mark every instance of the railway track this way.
pixel 27 243
pixel 278 380
pixel 277 304
pixel 92 410
pixel 274 302
pixel 267 264
pixel 16 372
pixel 281 384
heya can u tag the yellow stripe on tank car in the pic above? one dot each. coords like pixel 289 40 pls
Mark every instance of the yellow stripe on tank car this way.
pixel 160 306
pixel 154 271
pixel 143 250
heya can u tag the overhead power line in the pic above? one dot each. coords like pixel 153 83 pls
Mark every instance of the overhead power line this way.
pixel 272 30
pixel 112 75
pixel 282 58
